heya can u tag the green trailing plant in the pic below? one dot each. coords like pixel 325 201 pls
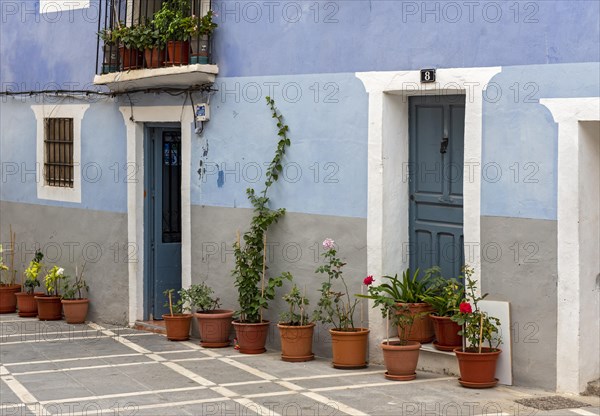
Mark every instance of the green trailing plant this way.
pixel 53 279
pixel 477 326
pixel 76 290
pixel 32 272
pixel 297 314
pixel 200 297
pixel 446 296
pixel 334 307
pixel 254 289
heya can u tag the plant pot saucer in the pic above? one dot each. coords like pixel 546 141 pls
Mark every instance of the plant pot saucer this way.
pixel 293 359
pixel 215 344
pixel 252 351
pixel 349 367
pixel 448 348
pixel 473 385
pixel 400 378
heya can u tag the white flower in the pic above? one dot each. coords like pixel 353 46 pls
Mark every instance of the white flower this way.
pixel 60 271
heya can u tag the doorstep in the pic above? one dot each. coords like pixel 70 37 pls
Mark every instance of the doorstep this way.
pixel 157 327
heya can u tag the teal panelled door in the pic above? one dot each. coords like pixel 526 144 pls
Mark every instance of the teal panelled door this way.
pixel 436 165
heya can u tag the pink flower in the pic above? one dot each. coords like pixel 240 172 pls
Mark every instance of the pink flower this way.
pixel 368 280
pixel 465 308
pixel 329 244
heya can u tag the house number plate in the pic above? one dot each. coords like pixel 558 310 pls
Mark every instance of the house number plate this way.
pixel 427 75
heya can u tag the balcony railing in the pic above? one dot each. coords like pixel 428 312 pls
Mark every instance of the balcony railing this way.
pixel 132 35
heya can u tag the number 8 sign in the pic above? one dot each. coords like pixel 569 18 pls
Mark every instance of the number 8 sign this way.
pixel 427 75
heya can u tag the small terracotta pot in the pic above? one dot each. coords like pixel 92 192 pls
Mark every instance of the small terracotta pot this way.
pixel 349 348
pixel 401 360
pixel 446 333
pixel 8 300
pixel 422 327
pixel 155 57
pixel 131 58
pixel 49 308
pixel 215 327
pixel 296 342
pixel 251 337
pixel 178 326
pixel 75 310
pixel 27 304
pixel 477 370
pixel 178 52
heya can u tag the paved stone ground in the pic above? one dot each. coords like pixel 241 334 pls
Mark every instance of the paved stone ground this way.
pixel 50 368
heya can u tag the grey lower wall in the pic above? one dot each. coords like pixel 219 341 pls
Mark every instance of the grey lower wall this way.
pixel 70 236
pixel 519 265
pixel 294 246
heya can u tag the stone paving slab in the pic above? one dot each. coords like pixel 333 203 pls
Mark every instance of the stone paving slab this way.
pixel 99 370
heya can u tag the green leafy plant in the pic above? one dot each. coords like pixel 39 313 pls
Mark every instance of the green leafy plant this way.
pixel 410 289
pixel 478 326
pixel 174 21
pixel 3 267
pixel 446 296
pixel 148 37
pixel 250 267
pixel 52 280
pixel 179 306
pixel 296 315
pixel 76 290
pixel 108 36
pixel 32 272
pixel 334 307
pixel 200 297
pixel 205 24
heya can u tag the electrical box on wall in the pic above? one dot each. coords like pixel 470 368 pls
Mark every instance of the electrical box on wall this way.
pixel 202 112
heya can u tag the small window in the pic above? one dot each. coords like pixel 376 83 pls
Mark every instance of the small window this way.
pixel 58 152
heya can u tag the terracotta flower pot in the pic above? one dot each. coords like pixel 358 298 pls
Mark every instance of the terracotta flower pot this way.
pixel 8 300
pixel 131 58
pixel 349 348
pixel 401 360
pixel 75 310
pixel 251 337
pixel 26 304
pixel 215 327
pixel 446 333
pixel 296 342
pixel 422 327
pixel 178 326
pixel 49 308
pixel 477 370
pixel 155 57
pixel 178 52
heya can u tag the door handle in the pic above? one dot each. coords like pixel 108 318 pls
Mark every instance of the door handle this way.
pixel 444 145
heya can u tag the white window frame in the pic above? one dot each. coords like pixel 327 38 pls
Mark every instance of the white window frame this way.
pixel 56 193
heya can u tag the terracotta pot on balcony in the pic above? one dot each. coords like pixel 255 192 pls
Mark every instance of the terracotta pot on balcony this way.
pixel 131 58
pixel 155 57
pixel 178 52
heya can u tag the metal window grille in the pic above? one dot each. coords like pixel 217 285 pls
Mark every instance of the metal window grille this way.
pixel 58 152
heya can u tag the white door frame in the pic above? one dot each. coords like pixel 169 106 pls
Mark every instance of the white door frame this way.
pixel 387 213
pixel 135 195
pixel 577 359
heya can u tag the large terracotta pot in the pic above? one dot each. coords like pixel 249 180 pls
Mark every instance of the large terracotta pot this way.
pixel 446 333
pixel 49 308
pixel 215 327
pixel 296 342
pixel 26 304
pixel 155 57
pixel 8 300
pixel 178 52
pixel 477 370
pixel 178 326
pixel 131 58
pixel 401 360
pixel 251 337
pixel 75 310
pixel 422 327
pixel 350 348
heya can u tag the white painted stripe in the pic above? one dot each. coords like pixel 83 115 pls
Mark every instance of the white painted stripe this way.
pixel 23 394
pixel 248 369
pixel 583 412
pixel 183 360
pixel 383 383
pixel 290 386
pixel 334 404
pixel 117 395
pixel 31 341
pixel 61 360
pixel 244 383
pixel 271 394
pixel 91 367
pixel 224 391
pixel 342 374
pixel 4 371
pixel 110 411
pixel 189 374
pixel 203 350
pixel 175 352
pixel 156 357
pixel 501 414
pixel 255 407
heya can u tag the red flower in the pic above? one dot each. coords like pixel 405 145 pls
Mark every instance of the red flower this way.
pixel 368 280
pixel 465 307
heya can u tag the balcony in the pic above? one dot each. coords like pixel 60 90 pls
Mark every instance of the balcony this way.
pixel 145 44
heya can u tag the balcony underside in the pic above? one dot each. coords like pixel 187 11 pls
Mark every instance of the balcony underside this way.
pixel 167 77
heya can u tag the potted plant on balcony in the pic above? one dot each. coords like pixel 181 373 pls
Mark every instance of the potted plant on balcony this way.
pixel 154 50
pixel 255 290
pixel 49 305
pixel 74 300
pixel 131 47
pixel 26 302
pixel 175 25
pixel 8 285
pixel 349 343
pixel 201 38
pixel 445 300
pixel 477 364
pixel 400 357
pixel 296 329
pixel 110 62
pixel 214 323
pixel 177 322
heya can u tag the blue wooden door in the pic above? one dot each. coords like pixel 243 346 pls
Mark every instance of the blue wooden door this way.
pixel 162 217
pixel 436 165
